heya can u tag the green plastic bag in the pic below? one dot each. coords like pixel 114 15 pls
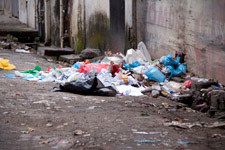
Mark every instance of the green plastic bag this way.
pixel 34 71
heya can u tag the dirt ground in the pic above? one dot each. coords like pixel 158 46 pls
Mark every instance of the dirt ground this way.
pixel 101 123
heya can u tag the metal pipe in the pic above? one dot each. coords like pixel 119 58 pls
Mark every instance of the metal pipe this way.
pixel 61 28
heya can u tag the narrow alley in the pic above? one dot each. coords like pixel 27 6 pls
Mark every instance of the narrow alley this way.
pixel 112 75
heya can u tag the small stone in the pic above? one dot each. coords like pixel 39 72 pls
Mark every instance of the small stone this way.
pixel 5 113
pixel 22 112
pixel 22 124
pixel 65 124
pixel 67 98
pixel 49 125
pixel 90 53
pixel 86 135
pixel 30 129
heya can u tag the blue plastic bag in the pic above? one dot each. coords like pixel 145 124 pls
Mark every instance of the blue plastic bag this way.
pixel 76 65
pixel 156 75
pixel 180 70
pixel 133 65
pixel 169 61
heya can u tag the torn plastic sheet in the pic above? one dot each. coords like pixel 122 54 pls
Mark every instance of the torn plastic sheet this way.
pixel 128 90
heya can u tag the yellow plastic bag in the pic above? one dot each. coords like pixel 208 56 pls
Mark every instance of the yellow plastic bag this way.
pixel 5 65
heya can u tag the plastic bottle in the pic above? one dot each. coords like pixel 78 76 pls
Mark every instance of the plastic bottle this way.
pixel 166 89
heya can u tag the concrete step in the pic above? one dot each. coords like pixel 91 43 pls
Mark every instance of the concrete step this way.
pixel 12 26
pixel 71 59
pixel 54 51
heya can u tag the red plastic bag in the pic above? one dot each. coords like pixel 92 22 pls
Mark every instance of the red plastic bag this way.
pixel 87 68
pixel 187 83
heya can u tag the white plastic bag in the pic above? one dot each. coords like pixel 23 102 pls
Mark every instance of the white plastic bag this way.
pixel 143 49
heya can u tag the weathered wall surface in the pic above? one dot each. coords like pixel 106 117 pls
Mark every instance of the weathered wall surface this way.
pixel 97 24
pixel 128 24
pixel 7 5
pixel 89 24
pixel 194 27
pixel 27 12
pixel 1 6
pixel 15 8
pixel 55 18
pixel 76 30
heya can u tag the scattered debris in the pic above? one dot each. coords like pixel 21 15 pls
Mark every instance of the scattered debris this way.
pixel 22 51
pixel 218 135
pixel 147 141
pixel 144 115
pixel 149 133
pixel 182 125
pixel 30 129
pixel 49 125
pixel 78 132
pixel 216 125
pixel 44 142
pixel 24 132
pixel 67 98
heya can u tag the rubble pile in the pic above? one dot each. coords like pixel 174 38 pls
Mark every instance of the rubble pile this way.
pixel 12 43
pixel 134 75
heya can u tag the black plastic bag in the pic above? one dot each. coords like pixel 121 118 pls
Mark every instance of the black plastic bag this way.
pixel 106 91
pixel 81 86
pixel 88 86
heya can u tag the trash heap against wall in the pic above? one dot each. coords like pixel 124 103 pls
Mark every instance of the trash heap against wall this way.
pixel 134 75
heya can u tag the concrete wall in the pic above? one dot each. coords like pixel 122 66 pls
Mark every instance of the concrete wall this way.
pixel 15 8
pixel 89 24
pixel 194 27
pixel 55 17
pixel 128 24
pixel 2 6
pixel 27 12
pixel 7 7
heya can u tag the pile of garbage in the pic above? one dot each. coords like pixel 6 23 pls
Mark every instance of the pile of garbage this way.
pixel 132 75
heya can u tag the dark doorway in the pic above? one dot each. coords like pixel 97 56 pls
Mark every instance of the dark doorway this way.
pixel 15 8
pixel 117 25
pixel 41 19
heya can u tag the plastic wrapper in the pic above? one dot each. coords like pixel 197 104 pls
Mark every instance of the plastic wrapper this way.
pixel 115 59
pixel 132 56
pixel 140 70
pixel 128 90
